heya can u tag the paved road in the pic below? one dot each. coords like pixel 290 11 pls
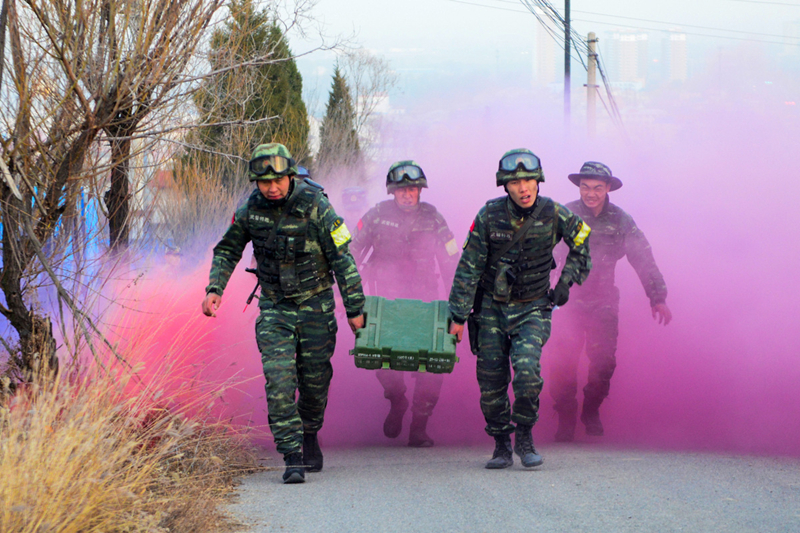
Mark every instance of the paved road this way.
pixel 579 488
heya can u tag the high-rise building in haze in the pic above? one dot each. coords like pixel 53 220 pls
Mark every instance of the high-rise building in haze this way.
pixel 624 54
pixel 676 57
pixel 547 68
pixel 791 38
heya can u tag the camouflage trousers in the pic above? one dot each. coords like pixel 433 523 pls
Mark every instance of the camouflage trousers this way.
pixel 426 388
pixel 595 325
pixel 511 336
pixel 296 343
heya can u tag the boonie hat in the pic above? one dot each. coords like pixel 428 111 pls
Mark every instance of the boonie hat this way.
pixel 595 170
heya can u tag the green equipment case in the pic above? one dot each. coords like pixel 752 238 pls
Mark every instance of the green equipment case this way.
pixel 407 335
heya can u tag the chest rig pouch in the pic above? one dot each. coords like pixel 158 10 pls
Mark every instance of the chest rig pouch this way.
pixel 284 265
pixel 525 274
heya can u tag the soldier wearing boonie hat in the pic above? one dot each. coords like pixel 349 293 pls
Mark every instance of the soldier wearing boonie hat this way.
pixel 592 318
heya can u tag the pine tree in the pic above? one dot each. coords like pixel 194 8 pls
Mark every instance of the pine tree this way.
pixel 339 148
pixel 249 93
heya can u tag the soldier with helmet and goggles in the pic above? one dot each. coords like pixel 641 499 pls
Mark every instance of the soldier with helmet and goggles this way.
pixel 300 244
pixel 502 285
pixel 407 239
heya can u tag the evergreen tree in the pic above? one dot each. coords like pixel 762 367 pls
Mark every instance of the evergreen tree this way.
pixel 339 148
pixel 248 93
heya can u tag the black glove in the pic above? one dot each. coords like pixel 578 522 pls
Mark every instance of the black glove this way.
pixel 560 294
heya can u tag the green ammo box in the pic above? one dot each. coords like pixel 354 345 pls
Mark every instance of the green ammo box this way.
pixel 405 335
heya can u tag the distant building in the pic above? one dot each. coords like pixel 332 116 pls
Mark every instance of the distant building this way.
pixel 624 54
pixel 791 38
pixel 676 56
pixel 547 61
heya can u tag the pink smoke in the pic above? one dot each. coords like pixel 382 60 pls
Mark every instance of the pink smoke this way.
pixel 712 183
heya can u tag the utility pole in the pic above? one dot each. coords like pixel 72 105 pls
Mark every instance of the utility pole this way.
pixel 591 85
pixel 566 63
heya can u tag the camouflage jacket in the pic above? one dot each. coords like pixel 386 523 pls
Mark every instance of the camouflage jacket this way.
pixel 406 245
pixel 473 263
pixel 326 238
pixel 614 236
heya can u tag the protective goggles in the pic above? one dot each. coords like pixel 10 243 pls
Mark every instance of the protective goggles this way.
pixel 276 163
pixel 519 161
pixel 409 172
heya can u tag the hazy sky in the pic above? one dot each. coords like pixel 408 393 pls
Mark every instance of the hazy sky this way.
pixel 498 36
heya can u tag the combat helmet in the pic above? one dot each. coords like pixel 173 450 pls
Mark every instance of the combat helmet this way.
pixel 354 198
pixel 519 163
pixel 271 161
pixel 405 174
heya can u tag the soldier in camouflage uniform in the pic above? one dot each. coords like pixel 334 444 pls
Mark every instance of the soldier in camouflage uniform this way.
pixel 592 317
pixel 504 278
pixel 407 239
pixel 299 243
pixel 354 203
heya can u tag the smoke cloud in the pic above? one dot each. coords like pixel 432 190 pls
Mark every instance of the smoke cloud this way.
pixel 709 176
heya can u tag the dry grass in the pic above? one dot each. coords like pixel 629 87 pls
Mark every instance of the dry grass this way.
pixel 116 451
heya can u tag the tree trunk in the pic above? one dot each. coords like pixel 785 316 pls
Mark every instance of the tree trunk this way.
pixel 118 196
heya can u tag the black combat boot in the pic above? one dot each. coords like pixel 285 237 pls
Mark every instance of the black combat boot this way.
pixel 590 416
pixel 417 437
pixel 567 418
pixel 312 454
pixel 523 446
pixel 295 471
pixel 503 456
pixel 394 420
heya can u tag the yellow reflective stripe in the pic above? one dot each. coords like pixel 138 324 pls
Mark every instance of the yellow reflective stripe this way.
pixel 340 235
pixel 582 234
pixel 451 247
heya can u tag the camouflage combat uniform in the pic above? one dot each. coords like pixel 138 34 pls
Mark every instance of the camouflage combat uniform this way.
pixel 591 318
pixel 406 246
pixel 295 272
pixel 514 331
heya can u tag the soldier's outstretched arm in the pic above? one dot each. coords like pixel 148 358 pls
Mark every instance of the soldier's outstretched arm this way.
pixel 227 253
pixel 469 270
pixel 575 233
pixel 334 240
pixel 640 256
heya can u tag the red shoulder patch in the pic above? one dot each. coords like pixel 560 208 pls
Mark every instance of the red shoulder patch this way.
pixel 360 224
pixel 233 219
pixel 472 227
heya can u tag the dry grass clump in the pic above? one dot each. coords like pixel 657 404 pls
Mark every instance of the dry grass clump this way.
pixel 86 455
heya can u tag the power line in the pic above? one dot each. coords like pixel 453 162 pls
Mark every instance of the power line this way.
pixel 772 3
pixel 687 32
pixel 490 7
pixel 685 25
pixel 681 24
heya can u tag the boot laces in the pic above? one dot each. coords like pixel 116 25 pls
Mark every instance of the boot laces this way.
pixel 294 459
pixel 525 442
pixel 502 448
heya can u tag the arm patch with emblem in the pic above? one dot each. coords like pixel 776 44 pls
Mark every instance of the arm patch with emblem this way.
pixel 451 247
pixel 340 234
pixel 582 234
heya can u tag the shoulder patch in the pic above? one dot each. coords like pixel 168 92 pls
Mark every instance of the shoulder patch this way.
pixel 452 247
pixel 360 224
pixel 340 234
pixel 582 234
pixel 233 219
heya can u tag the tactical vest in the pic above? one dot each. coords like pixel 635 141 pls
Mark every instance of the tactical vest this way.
pixel 528 263
pixel 285 265
pixel 405 250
